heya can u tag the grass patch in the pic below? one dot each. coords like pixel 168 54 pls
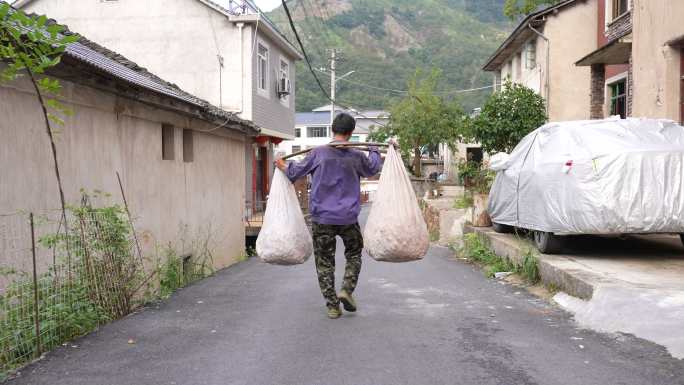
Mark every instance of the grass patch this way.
pixel 476 250
pixel 529 268
pixel 463 202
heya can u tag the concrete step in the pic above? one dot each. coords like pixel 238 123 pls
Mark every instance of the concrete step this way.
pixel 451 191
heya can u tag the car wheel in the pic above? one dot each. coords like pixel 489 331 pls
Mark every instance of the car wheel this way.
pixel 548 243
pixel 503 229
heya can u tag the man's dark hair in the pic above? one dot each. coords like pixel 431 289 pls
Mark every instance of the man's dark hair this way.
pixel 344 124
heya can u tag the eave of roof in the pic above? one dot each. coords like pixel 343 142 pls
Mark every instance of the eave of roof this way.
pixel 521 34
pixel 264 23
pixel 617 51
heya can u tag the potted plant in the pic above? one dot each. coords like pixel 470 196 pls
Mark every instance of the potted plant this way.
pixel 467 172
pixel 482 183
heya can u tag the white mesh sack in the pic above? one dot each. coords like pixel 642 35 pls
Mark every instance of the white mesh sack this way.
pixel 284 238
pixel 395 230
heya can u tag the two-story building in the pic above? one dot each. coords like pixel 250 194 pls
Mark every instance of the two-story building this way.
pixel 541 54
pixel 638 66
pixel 226 52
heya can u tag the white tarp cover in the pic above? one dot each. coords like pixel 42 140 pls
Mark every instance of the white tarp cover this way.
pixel 395 230
pixel 594 177
pixel 284 238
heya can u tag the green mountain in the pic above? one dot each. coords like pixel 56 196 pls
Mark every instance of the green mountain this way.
pixel 385 41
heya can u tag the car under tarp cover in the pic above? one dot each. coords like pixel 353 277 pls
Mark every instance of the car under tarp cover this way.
pixel 607 176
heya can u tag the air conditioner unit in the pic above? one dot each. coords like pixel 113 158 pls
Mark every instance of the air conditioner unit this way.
pixel 283 87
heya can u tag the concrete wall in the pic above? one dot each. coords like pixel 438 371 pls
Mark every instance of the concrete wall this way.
pixel 569 84
pixel 180 41
pixel 107 134
pixel 656 66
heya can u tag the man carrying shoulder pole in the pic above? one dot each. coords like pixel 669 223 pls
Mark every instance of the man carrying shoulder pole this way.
pixel 335 204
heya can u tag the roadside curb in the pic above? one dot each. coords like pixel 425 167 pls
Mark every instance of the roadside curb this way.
pixel 555 271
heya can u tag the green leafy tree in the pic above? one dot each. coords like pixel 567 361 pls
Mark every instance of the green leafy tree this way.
pixel 516 8
pixel 508 116
pixel 30 45
pixel 423 119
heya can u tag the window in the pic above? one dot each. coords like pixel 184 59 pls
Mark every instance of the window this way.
pixel 298 132
pixel 316 132
pixel 262 67
pixel 618 98
pixel 284 78
pixel 296 149
pixel 355 138
pixel 619 8
pixel 518 66
pixel 168 142
pixel 188 147
pixel 531 55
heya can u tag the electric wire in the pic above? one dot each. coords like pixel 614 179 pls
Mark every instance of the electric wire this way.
pixel 311 69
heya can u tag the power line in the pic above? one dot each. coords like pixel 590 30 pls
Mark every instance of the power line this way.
pixel 308 62
pixel 406 91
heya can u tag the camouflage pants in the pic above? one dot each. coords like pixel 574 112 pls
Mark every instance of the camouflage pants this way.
pixel 324 252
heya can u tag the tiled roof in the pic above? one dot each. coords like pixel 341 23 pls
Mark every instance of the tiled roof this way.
pixel 520 34
pixel 122 69
pixel 125 70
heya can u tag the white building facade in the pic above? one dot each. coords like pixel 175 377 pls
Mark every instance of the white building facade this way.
pixel 313 129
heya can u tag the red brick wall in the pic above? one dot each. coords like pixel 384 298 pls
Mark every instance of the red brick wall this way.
pixel 601 40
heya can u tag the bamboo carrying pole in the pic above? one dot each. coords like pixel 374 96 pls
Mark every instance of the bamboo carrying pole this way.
pixel 365 147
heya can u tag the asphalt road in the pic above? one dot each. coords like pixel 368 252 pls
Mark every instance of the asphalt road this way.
pixel 437 321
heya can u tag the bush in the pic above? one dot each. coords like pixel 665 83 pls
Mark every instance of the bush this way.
pixel 507 117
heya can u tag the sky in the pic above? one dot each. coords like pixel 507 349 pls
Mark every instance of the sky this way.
pixel 267 5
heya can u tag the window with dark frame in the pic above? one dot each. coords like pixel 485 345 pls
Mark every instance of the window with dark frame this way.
pixel 618 98
pixel 296 149
pixel 168 142
pixel 298 132
pixel 188 146
pixel 619 8
pixel 284 76
pixel 317 132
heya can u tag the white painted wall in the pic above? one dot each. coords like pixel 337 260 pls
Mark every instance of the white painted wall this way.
pixel 107 134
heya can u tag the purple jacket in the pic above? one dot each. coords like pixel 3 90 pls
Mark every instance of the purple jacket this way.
pixel 336 186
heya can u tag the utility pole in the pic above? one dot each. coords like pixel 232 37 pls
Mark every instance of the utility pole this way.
pixel 333 82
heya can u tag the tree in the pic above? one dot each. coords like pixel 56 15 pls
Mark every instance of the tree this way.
pixel 515 8
pixel 29 45
pixel 423 119
pixel 508 116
